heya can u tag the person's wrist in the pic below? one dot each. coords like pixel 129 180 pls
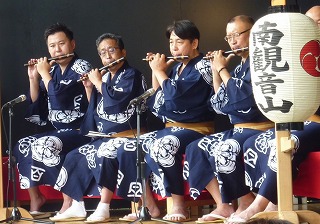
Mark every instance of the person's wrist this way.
pixel 219 70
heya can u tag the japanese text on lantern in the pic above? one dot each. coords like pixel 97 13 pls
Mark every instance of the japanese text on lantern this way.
pixel 268 65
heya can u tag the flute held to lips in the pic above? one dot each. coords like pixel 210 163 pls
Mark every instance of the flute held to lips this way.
pixel 54 58
pixel 85 76
pixel 226 53
pixel 171 57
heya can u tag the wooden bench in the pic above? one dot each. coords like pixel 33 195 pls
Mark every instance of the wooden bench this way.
pixel 53 195
pixel 307 184
pixel 22 194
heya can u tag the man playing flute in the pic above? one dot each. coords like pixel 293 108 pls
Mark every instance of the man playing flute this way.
pixel 56 99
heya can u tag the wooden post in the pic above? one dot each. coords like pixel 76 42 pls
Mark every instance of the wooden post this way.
pixel 284 174
pixel 1 170
pixel 278 2
pixel 285 211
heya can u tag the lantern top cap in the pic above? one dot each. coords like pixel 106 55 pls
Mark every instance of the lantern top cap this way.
pixel 283 8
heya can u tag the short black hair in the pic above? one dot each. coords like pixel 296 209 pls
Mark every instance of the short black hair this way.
pixel 185 29
pixel 112 36
pixel 243 18
pixel 58 27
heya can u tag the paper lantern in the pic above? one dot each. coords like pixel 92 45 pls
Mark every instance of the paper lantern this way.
pixel 285 66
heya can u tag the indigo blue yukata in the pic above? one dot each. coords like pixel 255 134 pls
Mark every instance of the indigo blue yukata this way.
pixel 261 159
pixel 108 113
pixel 183 105
pixel 220 155
pixel 40 156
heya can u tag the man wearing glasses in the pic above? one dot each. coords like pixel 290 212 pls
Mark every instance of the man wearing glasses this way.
pixel 109 93
pixel 262 170
pixel 220 154
pixel 232 36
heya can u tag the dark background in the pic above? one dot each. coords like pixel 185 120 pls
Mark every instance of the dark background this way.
pixel 142 24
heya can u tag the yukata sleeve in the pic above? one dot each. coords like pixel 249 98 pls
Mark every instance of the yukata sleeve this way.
pixel 116 96
pixel 68 93
pixel 37 112
pixel 220 99
pixel 240 93
pixel 88 123
pixel 186 93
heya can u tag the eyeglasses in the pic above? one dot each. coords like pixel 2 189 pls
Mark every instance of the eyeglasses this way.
pixel 110 50
pixel 234 35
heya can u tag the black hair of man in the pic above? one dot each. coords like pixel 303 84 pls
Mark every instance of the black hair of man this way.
pixel 58 27
pixel 112 36
pixel 184 29
pixel 243 18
